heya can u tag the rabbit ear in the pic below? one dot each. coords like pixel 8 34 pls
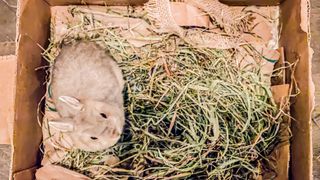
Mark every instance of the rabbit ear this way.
pixel 63 125
pixel 72 102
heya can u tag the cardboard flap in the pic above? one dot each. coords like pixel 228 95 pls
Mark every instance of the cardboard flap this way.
pixel 49 172
pixel 252 2
pixel 25 174
pixel 280 92
pixel 32 32
pixel 187 15
pixel 8 69
pixel 96 2
pixel 279 160
pixel 29 91
pixel 296 41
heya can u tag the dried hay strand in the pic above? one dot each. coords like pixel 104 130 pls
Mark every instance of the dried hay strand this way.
pixel 191 112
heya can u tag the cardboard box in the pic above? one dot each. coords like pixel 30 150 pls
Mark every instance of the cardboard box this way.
pixel 252 2
pixel 8 65
pixel 33 29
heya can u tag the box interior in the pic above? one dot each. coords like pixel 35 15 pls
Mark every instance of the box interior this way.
pixel 295 37
pixel 29 83
pixel 33 30
pixel 252 2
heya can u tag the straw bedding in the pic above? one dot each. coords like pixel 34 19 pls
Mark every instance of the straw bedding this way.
pixel 193 110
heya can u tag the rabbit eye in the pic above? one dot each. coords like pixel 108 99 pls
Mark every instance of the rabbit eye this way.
pixel 103 115
pixel 94 138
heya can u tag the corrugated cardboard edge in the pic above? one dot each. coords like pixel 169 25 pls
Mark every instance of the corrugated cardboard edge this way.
pixel 19 2
pixel 16 49
pixel 305 26
pixel 25 174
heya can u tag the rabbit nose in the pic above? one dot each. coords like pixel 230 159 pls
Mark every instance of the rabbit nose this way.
pixel 93 138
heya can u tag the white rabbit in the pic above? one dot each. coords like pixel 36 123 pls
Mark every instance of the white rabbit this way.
pixel 87 89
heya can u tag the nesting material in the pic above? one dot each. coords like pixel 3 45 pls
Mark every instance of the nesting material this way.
pixel 195 107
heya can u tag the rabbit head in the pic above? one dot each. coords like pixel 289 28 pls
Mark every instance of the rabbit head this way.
pixel 95 125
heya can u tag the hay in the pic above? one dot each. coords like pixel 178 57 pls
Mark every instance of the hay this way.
pixel 191 112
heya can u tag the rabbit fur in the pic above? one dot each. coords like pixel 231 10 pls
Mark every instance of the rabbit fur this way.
pixel 87 89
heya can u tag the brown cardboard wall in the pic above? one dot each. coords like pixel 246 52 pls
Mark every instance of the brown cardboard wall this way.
pixel 252 2
pixel 95 2
pixel 32 30
pixel 296 44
